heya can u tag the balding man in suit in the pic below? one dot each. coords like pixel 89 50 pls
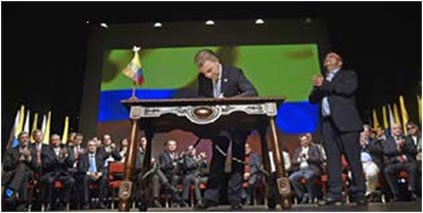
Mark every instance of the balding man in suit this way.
pixel 341 127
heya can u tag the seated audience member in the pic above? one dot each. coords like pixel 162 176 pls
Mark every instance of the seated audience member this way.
pixel 401 154
pixel 370 168
pixel 91 167
pixel 168 172
pixel 41 160
pixel 71 139
pixel 57 170
pixel 75 150
pixel 17 172
pixel 305 164
pixel 375 148
pixel 190 169
pixel 109 150
pixel 413 131
pixel 123 149
pixel 252 173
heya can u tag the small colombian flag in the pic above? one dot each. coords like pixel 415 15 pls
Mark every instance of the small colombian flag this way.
pixel 134 70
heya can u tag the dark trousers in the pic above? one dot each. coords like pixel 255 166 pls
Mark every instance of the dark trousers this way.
pixel 295 179
pixel 337 143
pixel 48 180
pixel 160 179
pixel 102 187
pixel 188 179
pixel 253 180
pixel 217 167
pixel 18 180
pixel 391 171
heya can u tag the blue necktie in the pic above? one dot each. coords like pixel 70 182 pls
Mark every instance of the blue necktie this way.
pixel 92 164
pixel 217 89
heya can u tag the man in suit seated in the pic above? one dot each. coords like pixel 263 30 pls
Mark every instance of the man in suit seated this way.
pixel 370 168
pixel 57 170
pixel 414 132
pixel 16 172
pixel 91 167
pixel 305 164
pixel 401 154
pixel 169 164
pixel 191 170
pixel 252 173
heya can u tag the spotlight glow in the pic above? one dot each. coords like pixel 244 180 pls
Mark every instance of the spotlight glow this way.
pixel 157 25
pixel 259 21
pixel 104 25
pixel 210 22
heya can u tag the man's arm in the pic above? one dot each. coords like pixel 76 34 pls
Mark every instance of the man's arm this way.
pixel 316 95
pixel 245 86
pixel 9 162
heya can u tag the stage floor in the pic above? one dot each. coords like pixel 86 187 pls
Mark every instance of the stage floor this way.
pixel 371 207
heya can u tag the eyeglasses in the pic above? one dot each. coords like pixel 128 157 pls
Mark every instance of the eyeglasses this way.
pixel 411 127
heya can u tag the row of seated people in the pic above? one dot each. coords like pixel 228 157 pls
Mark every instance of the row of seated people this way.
pixel 81 173
pixel 46 167
pixel 72 163
pixel 387 159
pixel 394 155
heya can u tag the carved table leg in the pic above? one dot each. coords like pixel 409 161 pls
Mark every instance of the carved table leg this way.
pixel 282 181
pixel 266 162
pixel 127 184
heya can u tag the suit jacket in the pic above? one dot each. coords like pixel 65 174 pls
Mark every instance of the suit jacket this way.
pixel 166 164
pixel 84 163
pixel 233 83
pixel 341 97
pixel 59 164
pixel 11 159
pixel 390 150
pixel 254 163
pixel 375 148
pixel 115 153
pixel 314 159
pixel 189 165
pixel 71 151
pixel 47 158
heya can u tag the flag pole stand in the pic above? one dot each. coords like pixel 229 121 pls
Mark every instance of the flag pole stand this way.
pixel 133 97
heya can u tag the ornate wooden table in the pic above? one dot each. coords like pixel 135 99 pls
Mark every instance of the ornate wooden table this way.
pixel 204 117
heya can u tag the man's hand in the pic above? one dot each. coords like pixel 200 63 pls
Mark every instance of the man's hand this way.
pixel 26 152
pixel 401 142
pixel 246 175
pixel 317 80
pixel 113 146
pixel 92 176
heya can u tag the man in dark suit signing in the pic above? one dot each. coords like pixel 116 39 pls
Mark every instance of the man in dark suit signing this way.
pixel 341 127
pixel 218 81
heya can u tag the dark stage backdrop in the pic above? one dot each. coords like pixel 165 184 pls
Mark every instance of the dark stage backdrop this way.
pixel 279 57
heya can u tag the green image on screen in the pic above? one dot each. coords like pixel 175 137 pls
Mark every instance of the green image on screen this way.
pixel 273 69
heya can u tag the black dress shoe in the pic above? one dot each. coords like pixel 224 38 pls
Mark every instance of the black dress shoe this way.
pixel 85 207
pixel 101 205
pixel 413 196
pixel 360 201
pixel 207 204
pixel 156 204
pixel 331 202
pixel 237 206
